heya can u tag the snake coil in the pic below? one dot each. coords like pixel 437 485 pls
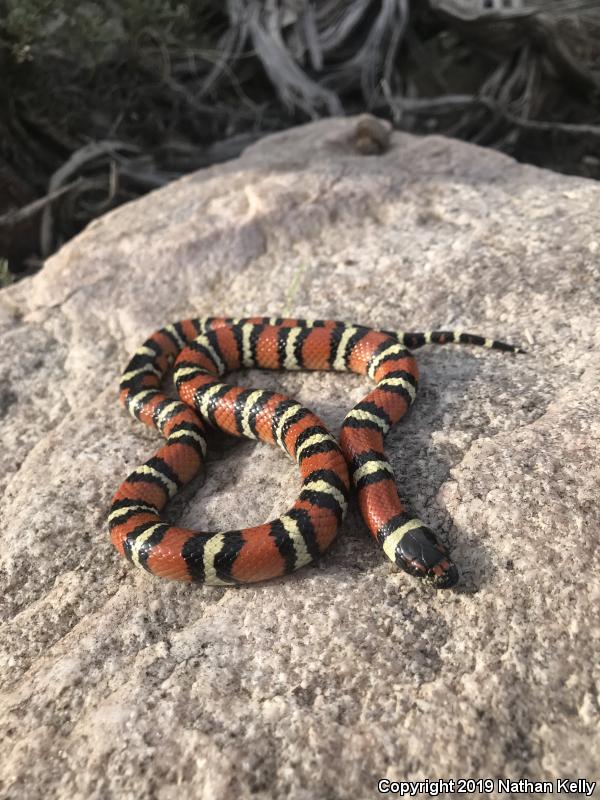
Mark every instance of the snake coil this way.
pixel 202 351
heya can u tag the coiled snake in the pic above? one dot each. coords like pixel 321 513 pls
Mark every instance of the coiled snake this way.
pixel 202 352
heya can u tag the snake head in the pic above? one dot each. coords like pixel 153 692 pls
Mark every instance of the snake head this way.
pixel 420 554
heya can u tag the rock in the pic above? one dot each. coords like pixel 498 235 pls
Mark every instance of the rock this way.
pixel 116 684
pixel 372 135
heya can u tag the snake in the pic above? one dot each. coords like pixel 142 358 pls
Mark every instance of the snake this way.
pixel 200 352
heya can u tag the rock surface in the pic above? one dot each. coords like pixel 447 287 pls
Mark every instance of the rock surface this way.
pixel 115 684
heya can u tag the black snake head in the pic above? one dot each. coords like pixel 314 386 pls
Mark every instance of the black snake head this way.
pixel 420 554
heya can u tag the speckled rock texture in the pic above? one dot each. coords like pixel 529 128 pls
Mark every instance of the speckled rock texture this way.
pixel 115 684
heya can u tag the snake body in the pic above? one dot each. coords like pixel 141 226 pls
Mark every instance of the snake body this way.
pixel 201 352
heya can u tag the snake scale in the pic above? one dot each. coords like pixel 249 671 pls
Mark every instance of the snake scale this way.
pixel 201 351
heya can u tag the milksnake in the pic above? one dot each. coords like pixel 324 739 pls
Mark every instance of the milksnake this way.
pixel 201 352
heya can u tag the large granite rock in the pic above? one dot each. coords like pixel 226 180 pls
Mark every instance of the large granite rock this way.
pixel 116 684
